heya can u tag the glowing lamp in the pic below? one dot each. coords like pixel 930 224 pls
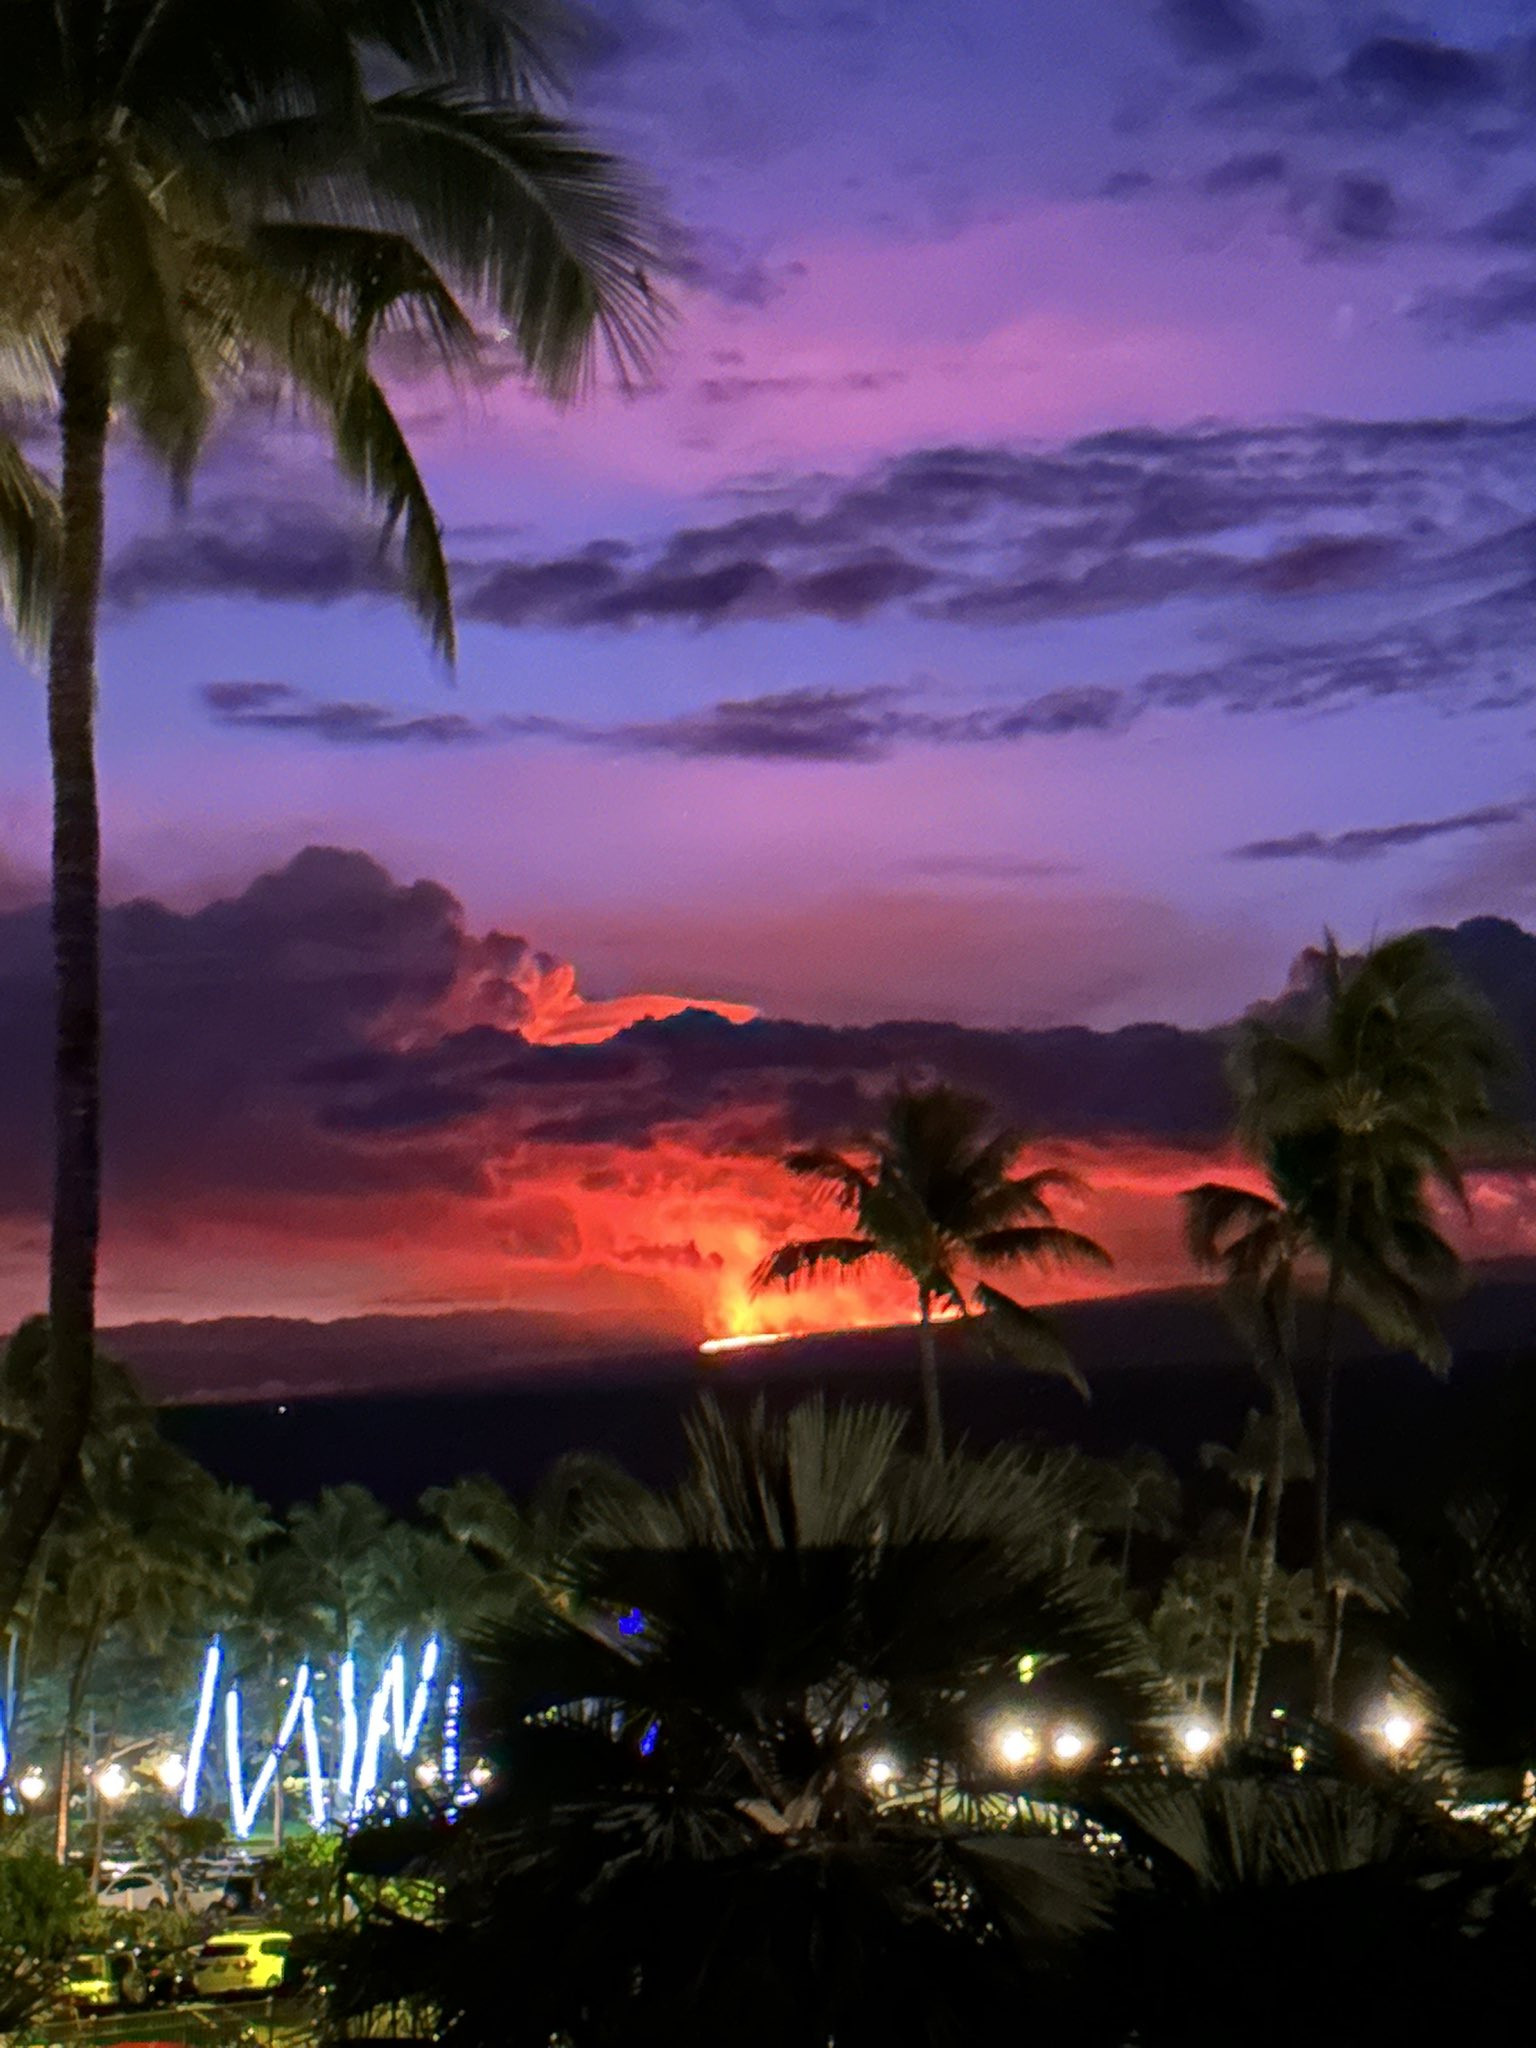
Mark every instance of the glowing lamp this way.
pixel 1197 1739
pixel 1397 1731
pixel 112 1783
pixel 480 1776
pixel 879 1771
pixel 1016 1745
pixel 170 1771
pixel 1068 1745
pixel 33 1785
pixel 426 1773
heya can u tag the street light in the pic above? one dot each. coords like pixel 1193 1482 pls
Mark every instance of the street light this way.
pixel 1016 1745
pixel 112 1783
pixel 879 1771
pixel 1397 1731
pixel 1068 1745
pixel 171 1771
pixel 1198 1740
pixel 32 1785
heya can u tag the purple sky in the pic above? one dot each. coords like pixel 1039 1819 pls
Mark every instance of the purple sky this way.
pixel 1029 591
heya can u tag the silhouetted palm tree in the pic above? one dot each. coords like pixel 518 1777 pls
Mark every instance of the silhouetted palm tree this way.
pixel 938 1197
pixel 1357 1108
pixel 194 199
pixel 723 1818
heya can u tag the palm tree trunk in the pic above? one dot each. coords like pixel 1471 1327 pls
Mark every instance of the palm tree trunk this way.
pixel 1335 1637
pixel 928 1363
pixel 1322 1501
pixel 1263 1592
pixel 1235 1635
pixel 85 401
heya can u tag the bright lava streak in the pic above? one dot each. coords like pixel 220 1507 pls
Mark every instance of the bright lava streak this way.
pixel 712 1346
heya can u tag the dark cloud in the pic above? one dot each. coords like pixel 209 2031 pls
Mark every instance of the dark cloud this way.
pixel 1407 75
pixel 987 867
pixel 1503 300
pixel 1126 184
pixel 791 725
pixel 1246 172
pixel 1368 842
pixel 785 725
pixel 728 271
pixel 244 547
pixel 277 707
pixel 1213 31
pixel 1514 223
pixel 1361 208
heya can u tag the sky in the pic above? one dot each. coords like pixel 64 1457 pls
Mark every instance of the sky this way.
pixel 1078 540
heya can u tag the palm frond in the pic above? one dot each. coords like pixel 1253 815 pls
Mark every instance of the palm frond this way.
pixel 528 216
pixel 29 547
pixel 1038 1244
pixel 141 269
pixel 307 347
pixel 841 1177
pixel 809 1259
pixel 1027 1337
pixel 369 282
pixel 1215 1213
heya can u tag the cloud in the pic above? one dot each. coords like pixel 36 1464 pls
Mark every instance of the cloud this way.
pixel 1246 172
pixel 1514 223
pixel 1404 74
pixel 278 707
pixel 1212 31
pixel 1369 842
pixel 1502 300
pixel 786 725
pixel 253 547
pixel 379 1102
pixel 1361 207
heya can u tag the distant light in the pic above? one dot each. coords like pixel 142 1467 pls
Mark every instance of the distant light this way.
pixel 480 1775
pixel 33 1785
pixel 112 1783
pixel 880 1771
pixel 1298 1756
pixel 171 1770
pixel 1016 1745
pixel 1068 1745
pixel 632 1623
pixel 649 1739
pixel 1397 1731
pixel 1197 1738
pixel 426 1773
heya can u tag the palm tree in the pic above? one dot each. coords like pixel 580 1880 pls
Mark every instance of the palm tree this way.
pixel 1358 1110
pixel 1258 1244
pixel 938 1195
pixel 195 197
pixel 724 1823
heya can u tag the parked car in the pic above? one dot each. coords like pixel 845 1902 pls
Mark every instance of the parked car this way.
pixel 105 1977
pixel 242 1965
pixel 167 1974
pixel 133 1891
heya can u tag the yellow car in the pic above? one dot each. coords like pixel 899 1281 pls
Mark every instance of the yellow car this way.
pixel 104 1977
pixel 244 1965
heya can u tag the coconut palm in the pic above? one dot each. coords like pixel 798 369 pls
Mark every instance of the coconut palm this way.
pixel 197 202
pixel 936 1197
pixel 1359 1107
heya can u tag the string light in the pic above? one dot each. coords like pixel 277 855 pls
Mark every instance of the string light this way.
pixel 407 1737
pixel 452 1709
pixel 312 1764
pixel 347 1770
pixel 200 1727
pixel 243 1810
